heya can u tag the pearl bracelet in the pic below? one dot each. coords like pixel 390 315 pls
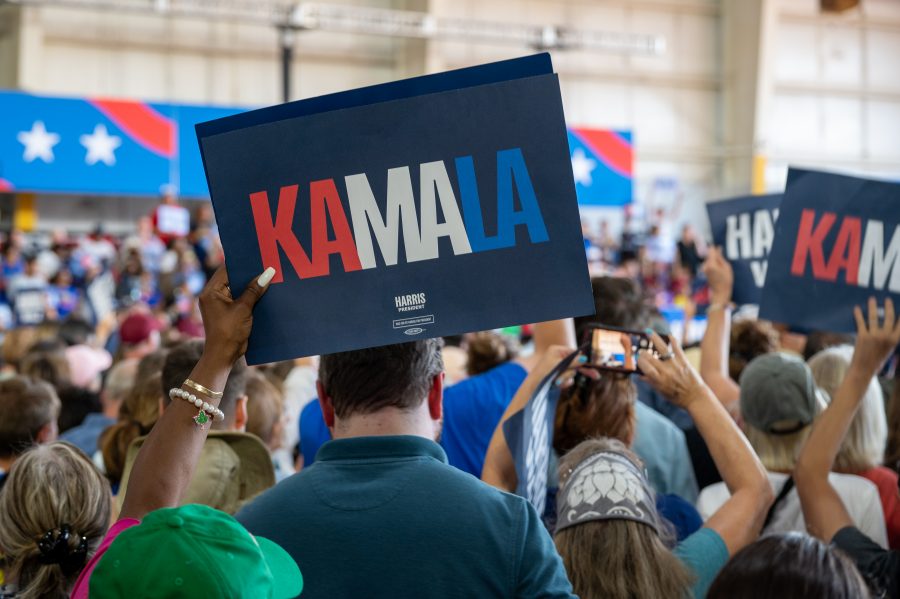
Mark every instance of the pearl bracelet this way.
pixel 207 410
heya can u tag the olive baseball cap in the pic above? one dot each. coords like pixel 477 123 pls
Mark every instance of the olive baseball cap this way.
pixel 194 551
pixel 778 394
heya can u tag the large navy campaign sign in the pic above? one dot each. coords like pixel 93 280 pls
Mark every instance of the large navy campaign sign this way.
pixel 837 243
pixel 744 228
pixel 420 208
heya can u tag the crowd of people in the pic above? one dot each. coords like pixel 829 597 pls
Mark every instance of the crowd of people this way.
pixel 141 457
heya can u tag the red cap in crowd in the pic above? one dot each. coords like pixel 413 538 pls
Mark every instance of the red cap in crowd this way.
pixel 138 327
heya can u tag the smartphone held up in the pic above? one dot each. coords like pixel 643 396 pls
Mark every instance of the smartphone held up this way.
pixel 616 350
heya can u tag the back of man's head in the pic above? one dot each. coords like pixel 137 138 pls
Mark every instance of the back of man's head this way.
pixel 367 380
pixel 27 405
pixel 618 302
pixel 179 363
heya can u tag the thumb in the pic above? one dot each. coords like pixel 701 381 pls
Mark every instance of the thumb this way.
pixel 257 288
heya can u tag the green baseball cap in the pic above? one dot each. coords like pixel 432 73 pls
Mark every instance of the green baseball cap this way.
pixel 194 551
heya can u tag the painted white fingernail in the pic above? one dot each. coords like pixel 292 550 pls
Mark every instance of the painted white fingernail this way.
pixel 266 278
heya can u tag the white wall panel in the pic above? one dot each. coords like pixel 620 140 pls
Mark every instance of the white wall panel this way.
pixel 795 124
pixel 841 55
pixel 795 53
pixel 836 103
pixel 883 53
pixel 656 116
pixel 883 9
pixel 884 132
pixel 842 133
pixel 698 48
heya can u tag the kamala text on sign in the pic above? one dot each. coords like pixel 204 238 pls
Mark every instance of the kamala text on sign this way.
pixel 420 232
pixel 420 208
pixel 863 255
pixel 837 242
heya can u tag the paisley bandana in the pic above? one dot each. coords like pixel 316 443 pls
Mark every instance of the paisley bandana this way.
pixel 606 486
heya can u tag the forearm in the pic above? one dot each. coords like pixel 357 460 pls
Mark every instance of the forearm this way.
pixel 831 426
pixel 553 332
pixel 823 510
pixel 714 350
pixel 166 463
pixel 739 520
pixel 734 458
pixel 499 469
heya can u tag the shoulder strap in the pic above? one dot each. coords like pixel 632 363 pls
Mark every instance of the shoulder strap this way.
pixel 785 489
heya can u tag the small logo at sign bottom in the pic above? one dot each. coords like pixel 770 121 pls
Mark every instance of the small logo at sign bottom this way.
pixel 413 331
pixel 414 322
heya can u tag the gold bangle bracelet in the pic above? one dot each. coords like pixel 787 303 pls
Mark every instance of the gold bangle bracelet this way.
pixel 201 389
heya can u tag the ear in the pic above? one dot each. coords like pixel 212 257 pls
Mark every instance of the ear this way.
pixel 162 406
pixel 436 397
pixel 240 414
pixel 47 433
pixel 327 406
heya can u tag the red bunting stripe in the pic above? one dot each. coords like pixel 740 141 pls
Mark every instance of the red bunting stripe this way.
pixel 141 122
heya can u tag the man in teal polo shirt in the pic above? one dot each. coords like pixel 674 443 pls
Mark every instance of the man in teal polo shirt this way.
pixel 382 514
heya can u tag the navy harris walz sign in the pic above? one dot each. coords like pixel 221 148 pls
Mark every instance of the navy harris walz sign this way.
pixel 420 208
pixel 744 228
pixel 837 242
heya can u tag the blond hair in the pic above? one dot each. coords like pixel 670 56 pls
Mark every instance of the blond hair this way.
pixel 48 487
pixel 778 453
pixel 264 407
pixel 864 445
pixel 617 559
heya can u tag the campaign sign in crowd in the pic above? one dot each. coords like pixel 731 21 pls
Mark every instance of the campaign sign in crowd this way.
pixel 744 228
pixel 426 208
pixel 837 243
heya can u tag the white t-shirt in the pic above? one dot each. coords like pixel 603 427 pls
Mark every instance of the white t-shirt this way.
pixel 860 497
pixel 299 390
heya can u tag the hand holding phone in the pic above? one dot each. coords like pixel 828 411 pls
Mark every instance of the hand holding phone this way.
pixel 616 350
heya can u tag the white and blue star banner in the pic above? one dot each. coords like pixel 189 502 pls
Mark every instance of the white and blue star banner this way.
pixel 105 146
pixel 100 145
pixel 602 166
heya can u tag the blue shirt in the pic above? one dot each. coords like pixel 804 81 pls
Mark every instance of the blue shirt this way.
pixel 472 410
pixel 86 435
pixel 683 516
pixel 662 447
pixel 313 432
pixel 704 553
pixel 388 517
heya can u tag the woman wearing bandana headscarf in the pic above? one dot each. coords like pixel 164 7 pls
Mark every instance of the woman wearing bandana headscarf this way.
pixel 608 530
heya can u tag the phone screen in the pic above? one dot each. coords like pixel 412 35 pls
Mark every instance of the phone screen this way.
pixel 614 349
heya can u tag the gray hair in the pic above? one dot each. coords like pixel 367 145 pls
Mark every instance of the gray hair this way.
pixel 863 447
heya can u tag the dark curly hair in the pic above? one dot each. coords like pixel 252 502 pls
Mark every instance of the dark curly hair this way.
pixel 601 408
pixel 750 339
